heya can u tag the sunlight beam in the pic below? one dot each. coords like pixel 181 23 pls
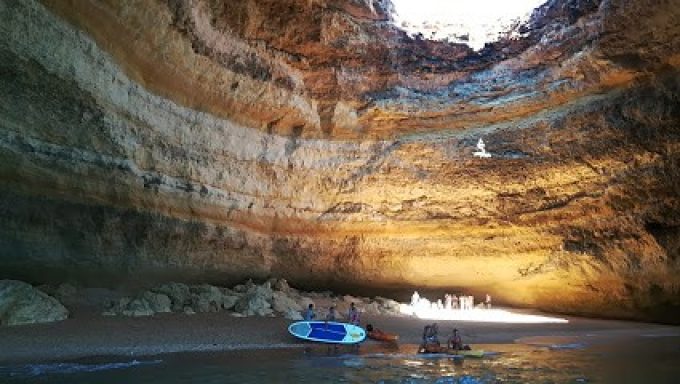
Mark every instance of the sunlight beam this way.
pixel 473 22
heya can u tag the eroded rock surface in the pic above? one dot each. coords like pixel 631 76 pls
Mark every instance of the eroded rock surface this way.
pixel 219 140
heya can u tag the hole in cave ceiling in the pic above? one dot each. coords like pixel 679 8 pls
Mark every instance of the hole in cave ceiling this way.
pixel 471 22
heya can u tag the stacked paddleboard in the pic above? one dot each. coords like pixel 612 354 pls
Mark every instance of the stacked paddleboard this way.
pixel 327 332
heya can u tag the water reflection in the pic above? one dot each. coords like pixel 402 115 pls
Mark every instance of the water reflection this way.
pixel 549 360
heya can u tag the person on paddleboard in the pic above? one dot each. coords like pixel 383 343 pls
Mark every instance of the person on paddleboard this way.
pixel 455 342
pixel 430 338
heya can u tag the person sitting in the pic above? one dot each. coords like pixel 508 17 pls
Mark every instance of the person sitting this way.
pixel 430 338
pixel 309 313
pixel 455 342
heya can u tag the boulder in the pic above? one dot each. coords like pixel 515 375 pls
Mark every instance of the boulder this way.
pixel 293 315
pixel 342 307
pixel 20 303
pixel 283 304
pixel 388 306
pixel 158 302
pixel 206 298
pixel 145 304
pixel 304 301
pixel 243 288
pixel 179 294
pixel 256 301
pixel 116 307
pixel 228 292
pixel 229 301
pixel 137 308
pixel 279 285
pixel 372 308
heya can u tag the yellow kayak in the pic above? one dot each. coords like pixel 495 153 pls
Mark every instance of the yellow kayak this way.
pixel 471 353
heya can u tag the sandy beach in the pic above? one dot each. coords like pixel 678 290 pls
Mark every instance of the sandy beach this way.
pixel 86 333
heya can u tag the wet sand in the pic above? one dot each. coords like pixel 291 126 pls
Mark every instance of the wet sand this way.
pixel 88 334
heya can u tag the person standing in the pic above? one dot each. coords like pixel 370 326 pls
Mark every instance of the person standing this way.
pixel 309 313
pixel 415 298
pixel 353 315
pixel 488 301
pixel 331 316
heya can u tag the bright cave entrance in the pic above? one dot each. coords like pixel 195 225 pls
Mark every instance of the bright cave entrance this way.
pixel 471 22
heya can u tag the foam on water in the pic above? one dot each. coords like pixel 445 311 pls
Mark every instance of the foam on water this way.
pixel 33 370
pixel 567 346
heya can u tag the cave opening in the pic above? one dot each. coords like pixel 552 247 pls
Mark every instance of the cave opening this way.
pixel 471 22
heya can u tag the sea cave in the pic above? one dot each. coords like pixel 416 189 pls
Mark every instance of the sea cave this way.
pixel 351 146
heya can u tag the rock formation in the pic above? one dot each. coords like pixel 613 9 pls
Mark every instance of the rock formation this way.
pixel 272 298
pixel 218 140
pixel 20 303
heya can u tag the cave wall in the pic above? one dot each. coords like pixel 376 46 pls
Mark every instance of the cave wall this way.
pixel 146 141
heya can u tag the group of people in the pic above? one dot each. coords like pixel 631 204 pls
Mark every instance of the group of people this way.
pixel 430 332
pixel 451 302
pixel 431 340
pixel 353 315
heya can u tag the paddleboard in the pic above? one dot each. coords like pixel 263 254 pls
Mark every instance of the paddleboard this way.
pixel 473 353
pixel 431 349
pixel 327 332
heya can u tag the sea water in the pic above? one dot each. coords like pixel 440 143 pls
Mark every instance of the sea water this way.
pixel 651 359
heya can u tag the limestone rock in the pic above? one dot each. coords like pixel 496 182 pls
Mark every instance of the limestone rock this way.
pixel 137 308
pixel 293 315
pixel 206 298
pixel 284 304
pixel 179 294
pixel 388 306
pixel 372 308
pixel 158 302
pixel 20 303
pixel 229 301
pixel 256 301
pixel 304 302
pixel 280 285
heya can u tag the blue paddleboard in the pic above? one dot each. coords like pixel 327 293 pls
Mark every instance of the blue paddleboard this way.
pixel 327 332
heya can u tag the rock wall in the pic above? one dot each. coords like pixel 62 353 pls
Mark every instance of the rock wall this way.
pixel 148 141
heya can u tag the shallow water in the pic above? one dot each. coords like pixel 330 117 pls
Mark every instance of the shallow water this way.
pixel 536 360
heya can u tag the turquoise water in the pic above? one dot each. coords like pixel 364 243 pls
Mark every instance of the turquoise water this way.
pixel 639 360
